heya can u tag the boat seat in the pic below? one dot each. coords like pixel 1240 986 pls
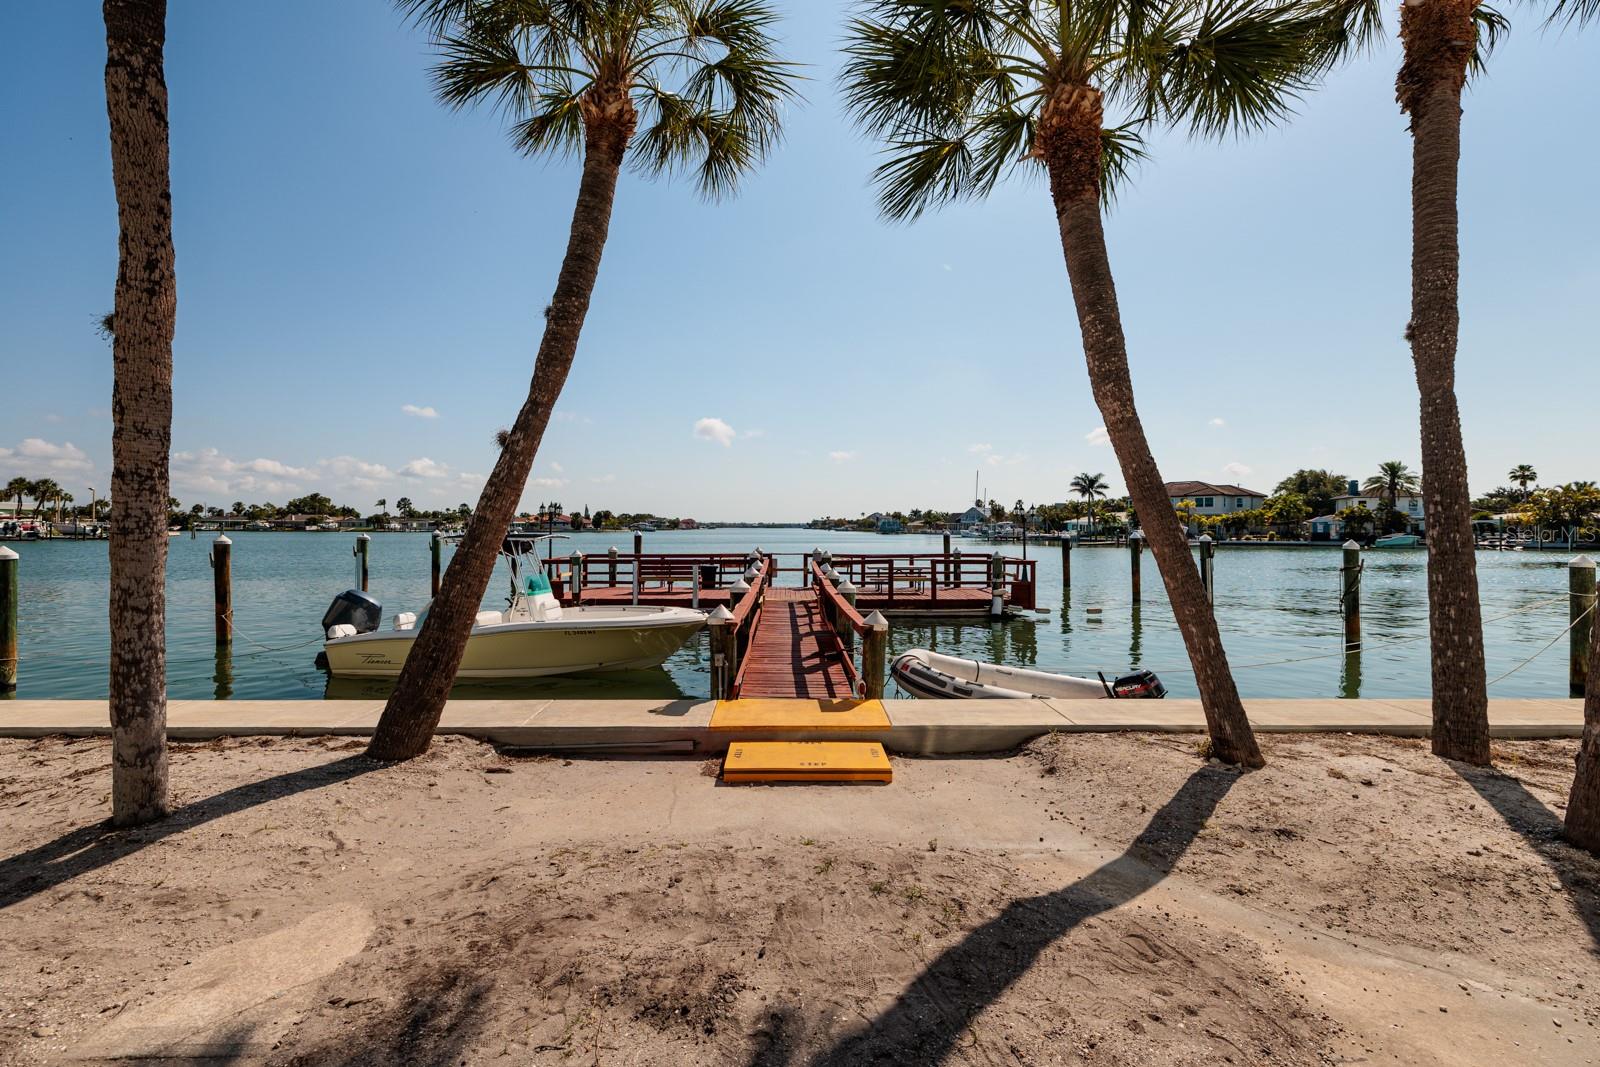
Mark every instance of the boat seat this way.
pixel 489 618
pixel 343 629
pixel 405 620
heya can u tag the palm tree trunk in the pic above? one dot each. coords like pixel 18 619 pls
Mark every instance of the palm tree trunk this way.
pixel 1438 37
pixel 145 314
pixel 413 710
pixel 1069 133
pixel 1583 803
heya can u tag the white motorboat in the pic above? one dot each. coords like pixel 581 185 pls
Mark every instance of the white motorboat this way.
pixel 1398 540
pixel 937 677
pixel 533 637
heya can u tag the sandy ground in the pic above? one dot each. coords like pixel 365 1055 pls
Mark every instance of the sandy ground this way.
pixel 1105 899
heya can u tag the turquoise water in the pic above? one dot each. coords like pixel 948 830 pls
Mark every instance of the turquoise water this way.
pixel 1278 608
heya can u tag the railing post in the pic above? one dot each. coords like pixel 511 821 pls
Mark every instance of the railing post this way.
pixel 575 562
pixel 9 586
pixel 1350 595
pixel 1208 567
pixel 361 552
pixel 434 548
pixel 997 586
pixel 222 585
pixel 933 582
pixel 724 652
pixel 1581 612
pixel 875 655
pixel 846 632
pixel 1135 550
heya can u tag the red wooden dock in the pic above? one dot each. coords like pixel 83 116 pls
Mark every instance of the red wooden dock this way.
pixel 793 652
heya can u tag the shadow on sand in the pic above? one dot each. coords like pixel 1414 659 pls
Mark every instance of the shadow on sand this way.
pixel 1542 830
pixel 926 1020
pixel 89 848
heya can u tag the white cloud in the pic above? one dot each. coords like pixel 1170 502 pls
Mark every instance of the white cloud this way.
pixel 548 483
pixel 37 455
pixel 419 412
pixel 975 449
pixel 209 471
pixel 1218 422
pixel 555 466
pixel 1098 436
pixel 841 457
pixel 423 467
pixel 994 459
pixel 1238 470
pixel 710 429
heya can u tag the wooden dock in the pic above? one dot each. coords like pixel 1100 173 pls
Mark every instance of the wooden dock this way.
pixel 793 652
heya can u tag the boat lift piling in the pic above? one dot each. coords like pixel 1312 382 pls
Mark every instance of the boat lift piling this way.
pixel 1350 595
pixel 222 586
pixel 1581 611
pixel 1135 550
pixel 1208 567
pixel 9 564
pixel 1066 562
pixel 435 544
pixel 362 550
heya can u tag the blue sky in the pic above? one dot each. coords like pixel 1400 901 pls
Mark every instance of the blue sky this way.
pixel 351 254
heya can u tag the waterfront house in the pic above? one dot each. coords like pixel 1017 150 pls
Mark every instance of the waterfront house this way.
pixel 1211 498
pixel 973 517
pixel 1408 506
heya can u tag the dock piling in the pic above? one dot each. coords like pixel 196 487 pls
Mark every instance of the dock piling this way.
pixel 875 655
pixel 1581 611
pixel 638 544
pixel 997 586
pixel 611 566
pixel 362 550
pixel 434 548
pixel 1066 561
pixel 9 563
pixel 724 652
pixel 1135 551
pixel 1208 567
pixel 222 585
pixel 575 586
pixel 1350 596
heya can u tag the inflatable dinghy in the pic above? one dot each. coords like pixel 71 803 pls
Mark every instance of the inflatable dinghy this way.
pixel 932 676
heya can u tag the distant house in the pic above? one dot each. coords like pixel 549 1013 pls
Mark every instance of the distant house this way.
pixel 1409 506
pixel 1211 498
pixel 973 516
pixel 688 524
pixel 889 525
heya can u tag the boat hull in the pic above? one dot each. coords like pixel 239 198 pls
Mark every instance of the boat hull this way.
pixel 526 650
pixel 932 676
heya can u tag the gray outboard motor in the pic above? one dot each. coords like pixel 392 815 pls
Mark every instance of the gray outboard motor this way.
pixel 353 608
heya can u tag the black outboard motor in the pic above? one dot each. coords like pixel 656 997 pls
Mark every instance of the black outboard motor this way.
pixel 353 608
pixel 1140 685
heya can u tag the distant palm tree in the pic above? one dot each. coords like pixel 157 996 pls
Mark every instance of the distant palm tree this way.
pixel 144 316
pixel 1090 486
pixel 1524 475
pixel 16 489
pixel 963 92
pixel 1393 479
pixel 43 492
pixel 665 84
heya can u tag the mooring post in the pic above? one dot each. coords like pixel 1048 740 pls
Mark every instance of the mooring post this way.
pixel 638 543
pixel 1066 561
pixel 875 655
pixel 611 566
pixel 434 548
pixel 846 632
pixel 1208 567
pixel 1581 611
pixel 724 652
pixel 575 563
pixel 8 618
pixel 222 583
pixel 1350 595
pixel 997 586
pixel 362 550
pixel 1135 550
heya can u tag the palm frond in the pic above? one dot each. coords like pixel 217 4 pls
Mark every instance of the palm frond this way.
pixel 1492 27
pixel 1239 67
pixel 1122 149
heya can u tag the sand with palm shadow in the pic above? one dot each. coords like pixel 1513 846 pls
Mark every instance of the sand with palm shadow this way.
pixel 1094 899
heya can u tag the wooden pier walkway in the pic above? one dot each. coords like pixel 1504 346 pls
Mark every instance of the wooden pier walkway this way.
pixel 793 652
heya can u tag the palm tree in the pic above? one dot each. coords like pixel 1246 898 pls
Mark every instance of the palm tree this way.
pixel 663 84
pixel 1089 486
pixel 144 314
pixel 1524 475
pixel 16 489
pixel 43 492
pixel 1393 479
pixel 964 91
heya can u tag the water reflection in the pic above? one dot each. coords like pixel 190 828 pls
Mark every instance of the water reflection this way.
pixel 1350 676
pixel 1135 636
pixel 222 676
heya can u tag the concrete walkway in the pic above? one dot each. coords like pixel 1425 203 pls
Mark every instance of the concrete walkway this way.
pixel 923 727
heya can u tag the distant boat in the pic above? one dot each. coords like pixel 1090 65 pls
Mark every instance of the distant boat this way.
pixel 1398 540
pixel 642 527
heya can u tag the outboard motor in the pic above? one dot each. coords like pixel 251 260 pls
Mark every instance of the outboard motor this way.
pixel 1141 684
pixel 353 608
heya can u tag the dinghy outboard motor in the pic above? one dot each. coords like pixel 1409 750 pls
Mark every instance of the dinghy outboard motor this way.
pixel 1140 685
pixel 353 608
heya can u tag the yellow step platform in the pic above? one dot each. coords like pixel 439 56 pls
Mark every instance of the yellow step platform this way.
pixel 767 713
pixel 806 761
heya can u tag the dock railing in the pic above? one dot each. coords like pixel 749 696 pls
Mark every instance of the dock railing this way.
pixel 847 623
pixel 921 579
pixel 731 632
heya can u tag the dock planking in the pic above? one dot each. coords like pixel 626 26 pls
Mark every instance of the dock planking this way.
pixel 794 652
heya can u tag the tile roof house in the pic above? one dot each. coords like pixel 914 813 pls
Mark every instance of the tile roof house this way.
pixel 1212 498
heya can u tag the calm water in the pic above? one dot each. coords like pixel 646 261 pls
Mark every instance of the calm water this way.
pixel 1278 609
